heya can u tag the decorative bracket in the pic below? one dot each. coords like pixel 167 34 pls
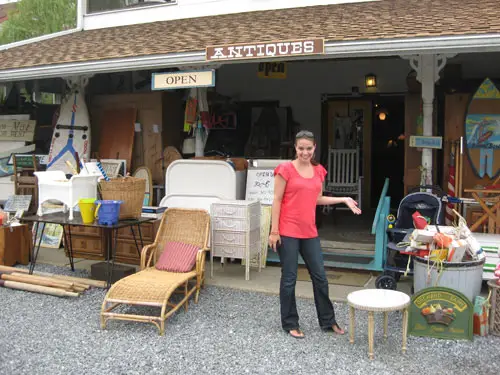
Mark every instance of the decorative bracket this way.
pixel 81 81
pixel 434 62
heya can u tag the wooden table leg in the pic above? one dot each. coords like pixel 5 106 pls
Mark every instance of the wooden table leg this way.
pixel 351 324
pixel 371 331
pixel 479 221
pixel 405 329
pixel 386 318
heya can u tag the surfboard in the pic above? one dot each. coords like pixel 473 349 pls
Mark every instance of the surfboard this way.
pixel 72 130
pixel 482 130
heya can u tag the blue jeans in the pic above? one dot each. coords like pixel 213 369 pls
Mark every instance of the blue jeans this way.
pixel 310 250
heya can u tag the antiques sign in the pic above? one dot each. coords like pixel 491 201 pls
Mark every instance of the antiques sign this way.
pixel 265 50
pixel 17 130
pixel 181 80
pixel 442 313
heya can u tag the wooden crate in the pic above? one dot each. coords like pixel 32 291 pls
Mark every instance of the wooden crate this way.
pixel 15 245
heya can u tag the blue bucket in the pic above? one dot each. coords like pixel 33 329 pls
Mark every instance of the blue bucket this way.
pixel 108 211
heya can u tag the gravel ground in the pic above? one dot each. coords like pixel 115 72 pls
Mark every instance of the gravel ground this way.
pixel 228 332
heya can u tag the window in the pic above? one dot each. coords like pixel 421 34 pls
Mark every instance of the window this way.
pixel 95 6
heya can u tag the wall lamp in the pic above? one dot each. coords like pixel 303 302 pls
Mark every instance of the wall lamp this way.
pixel 370 80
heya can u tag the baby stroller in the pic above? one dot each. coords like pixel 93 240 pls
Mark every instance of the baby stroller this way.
pixel 397 260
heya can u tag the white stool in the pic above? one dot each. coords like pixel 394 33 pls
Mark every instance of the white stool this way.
pixel 377 300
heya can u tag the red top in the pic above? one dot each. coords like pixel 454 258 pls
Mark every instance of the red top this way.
pixel 298 206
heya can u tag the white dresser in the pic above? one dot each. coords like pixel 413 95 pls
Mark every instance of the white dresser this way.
pixel 235 231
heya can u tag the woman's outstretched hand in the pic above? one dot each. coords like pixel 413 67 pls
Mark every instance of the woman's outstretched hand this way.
pixel 274 240
pixel 353 205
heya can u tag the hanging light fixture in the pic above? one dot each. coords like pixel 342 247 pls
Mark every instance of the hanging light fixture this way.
pixel 382 114
pixel 370 80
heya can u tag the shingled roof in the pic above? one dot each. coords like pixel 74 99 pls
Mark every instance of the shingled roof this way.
pixel 382 20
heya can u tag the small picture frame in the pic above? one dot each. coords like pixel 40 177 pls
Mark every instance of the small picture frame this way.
pixel 52 235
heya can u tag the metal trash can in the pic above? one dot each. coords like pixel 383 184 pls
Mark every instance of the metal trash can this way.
pixel 465 277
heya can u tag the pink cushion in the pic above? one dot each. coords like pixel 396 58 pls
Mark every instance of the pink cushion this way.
pixel 177 257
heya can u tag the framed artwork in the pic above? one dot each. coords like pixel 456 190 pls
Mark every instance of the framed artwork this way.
pixel 114 167
pixel 52 235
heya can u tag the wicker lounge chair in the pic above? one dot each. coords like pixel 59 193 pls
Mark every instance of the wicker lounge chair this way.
pixel 153 287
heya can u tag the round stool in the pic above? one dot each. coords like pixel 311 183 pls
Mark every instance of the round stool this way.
pixel 377 300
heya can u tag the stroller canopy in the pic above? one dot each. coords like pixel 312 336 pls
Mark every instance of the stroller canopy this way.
pixel 429 206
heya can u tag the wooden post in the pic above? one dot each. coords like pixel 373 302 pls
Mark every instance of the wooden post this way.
pixel 33 280
pixel 37 289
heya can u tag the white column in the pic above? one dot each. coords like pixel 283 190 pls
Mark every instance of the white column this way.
pixel 81 11
pixel 428 68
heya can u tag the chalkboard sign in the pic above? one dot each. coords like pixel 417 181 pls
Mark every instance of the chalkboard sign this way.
pixel 260 185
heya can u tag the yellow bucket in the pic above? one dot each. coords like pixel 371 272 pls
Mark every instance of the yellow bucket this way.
pixel 87 209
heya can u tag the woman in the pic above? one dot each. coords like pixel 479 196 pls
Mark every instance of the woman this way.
pixel 297 191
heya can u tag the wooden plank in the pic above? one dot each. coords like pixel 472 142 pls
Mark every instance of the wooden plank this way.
pixel 117 134
pixel 482 191
pixel 147 104
pixel 151 121
pixel 413 157
pixel 454 118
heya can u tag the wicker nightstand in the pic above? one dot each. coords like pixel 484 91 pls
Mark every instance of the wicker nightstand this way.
pixel 235 232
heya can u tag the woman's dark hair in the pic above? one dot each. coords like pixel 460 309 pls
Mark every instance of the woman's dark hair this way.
pixel 306 134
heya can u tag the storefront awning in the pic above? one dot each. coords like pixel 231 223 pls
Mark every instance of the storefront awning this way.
pixel 380 28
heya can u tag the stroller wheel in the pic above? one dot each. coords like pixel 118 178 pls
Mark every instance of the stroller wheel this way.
pixel 386 282
pixel 395 275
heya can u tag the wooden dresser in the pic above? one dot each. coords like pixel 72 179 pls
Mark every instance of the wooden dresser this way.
pixel 88 242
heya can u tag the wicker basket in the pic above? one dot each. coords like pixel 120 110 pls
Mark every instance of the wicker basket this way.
pixel 130 190
pixel 495 308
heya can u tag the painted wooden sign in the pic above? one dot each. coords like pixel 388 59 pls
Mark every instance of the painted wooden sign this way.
pixel 426 142
pixel 26 160
pixel 17 202
pixel 442 313
pixel 482 130
pixel 182 80
pixel 260 50
pixel 17 130
pixel 276 70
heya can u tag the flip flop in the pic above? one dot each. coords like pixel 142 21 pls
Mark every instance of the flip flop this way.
pixel 299 332
pixel 331 329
